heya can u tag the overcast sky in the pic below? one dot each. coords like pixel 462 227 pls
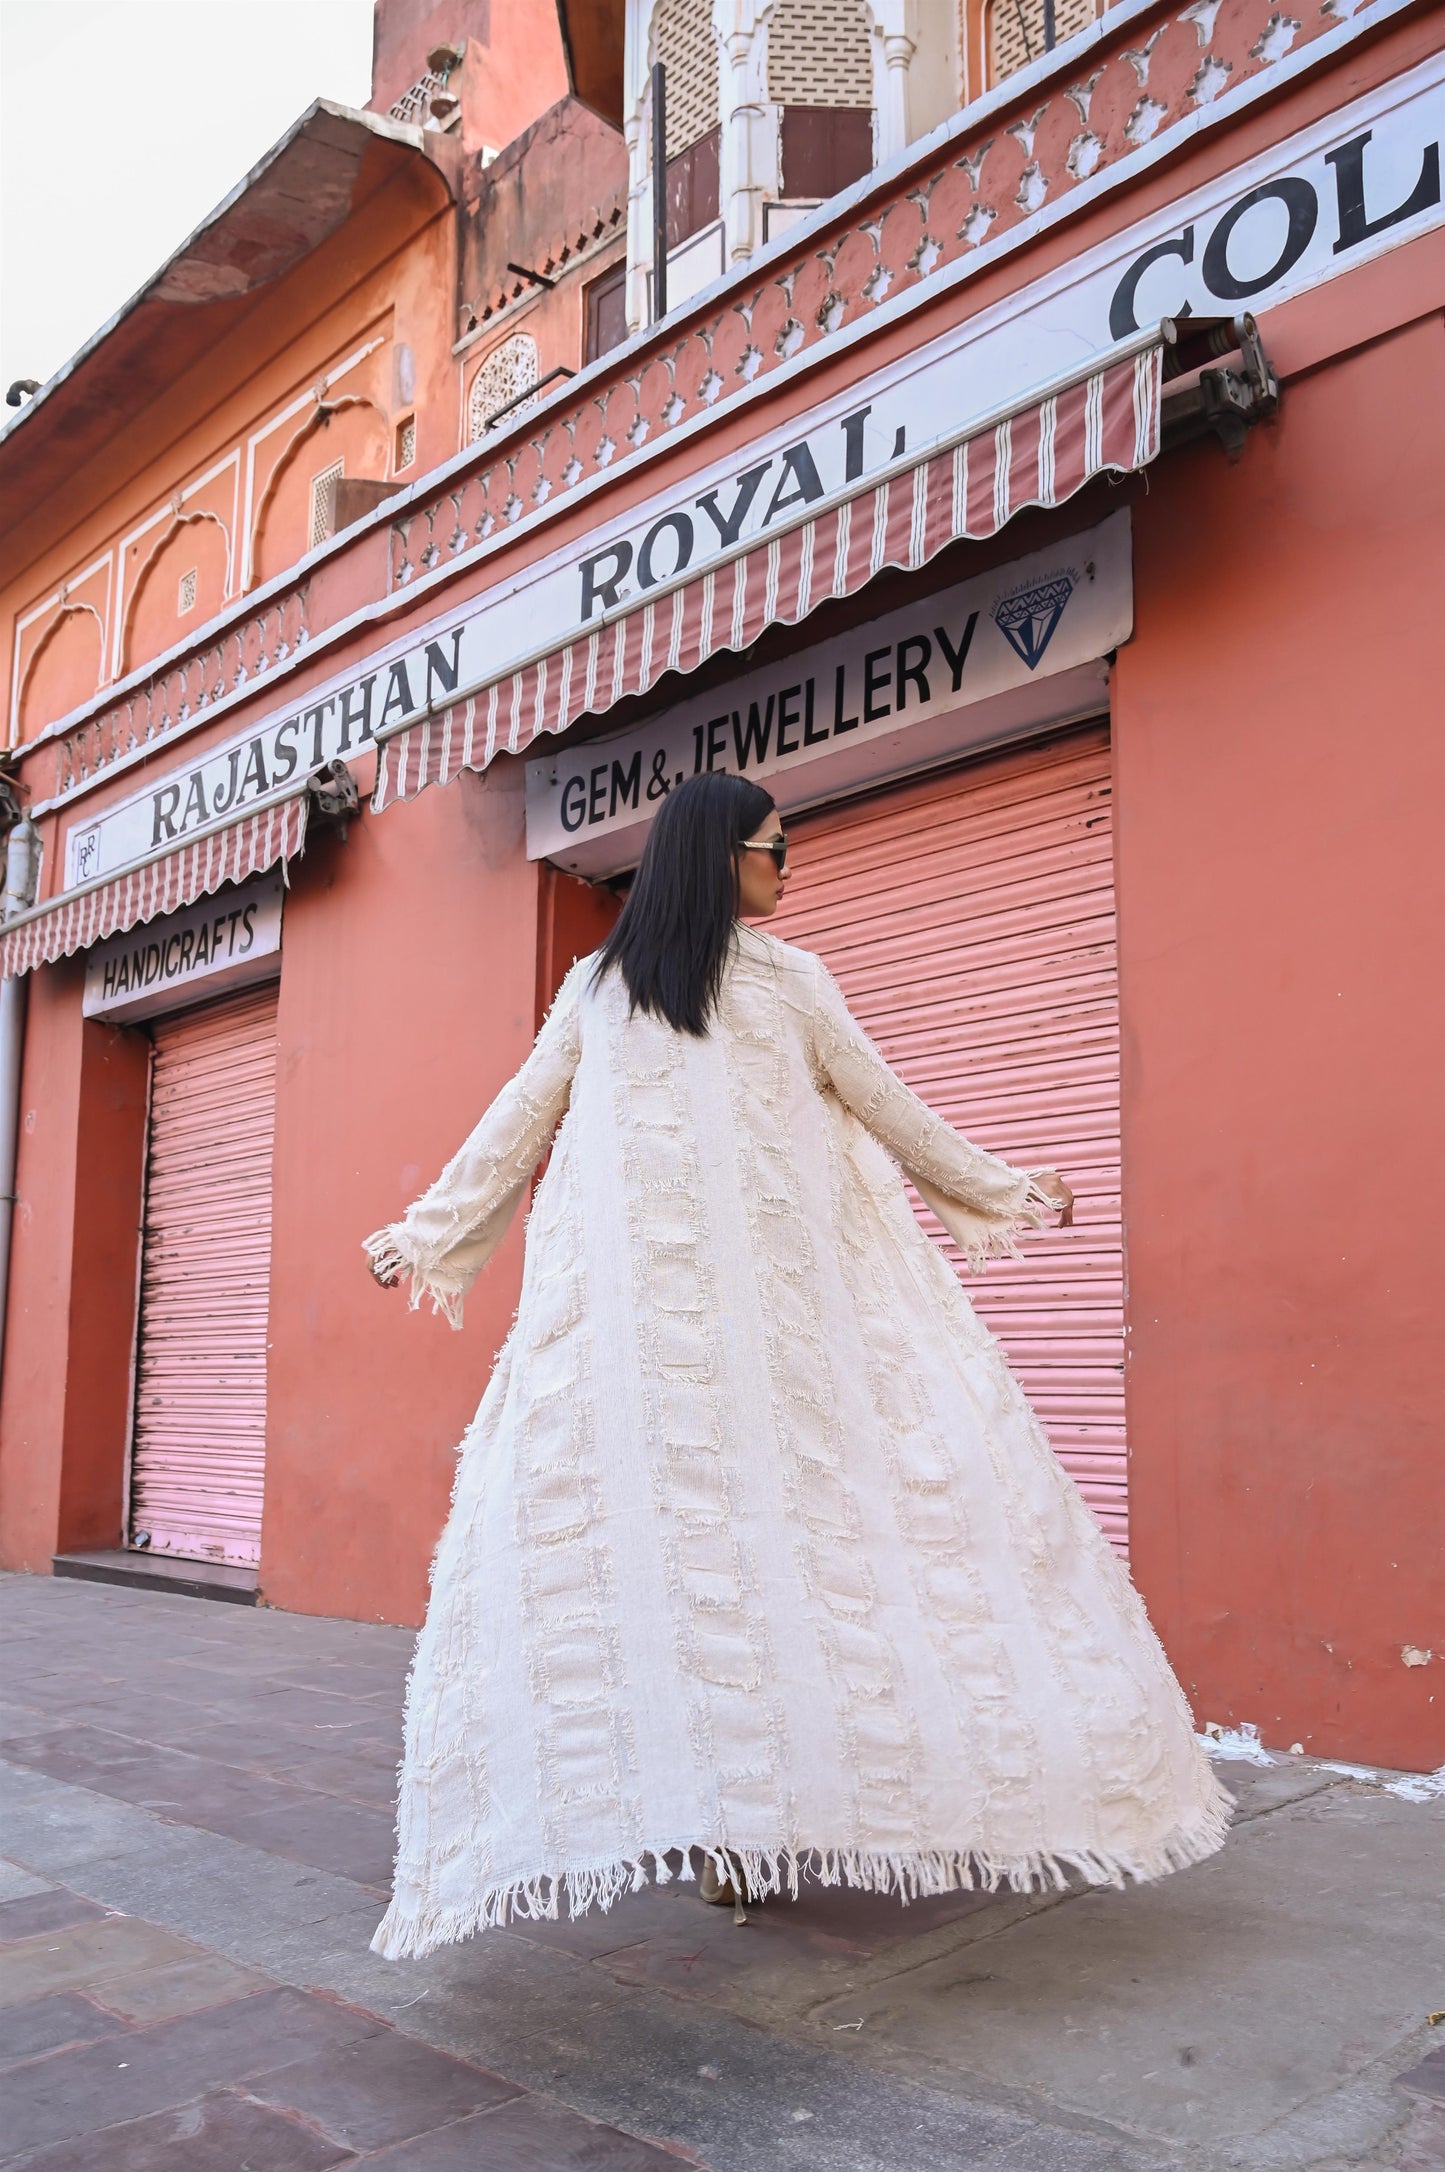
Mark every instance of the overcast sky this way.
pixel 122 123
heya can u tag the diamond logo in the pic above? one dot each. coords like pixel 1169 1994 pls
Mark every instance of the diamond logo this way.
pixel 1028 620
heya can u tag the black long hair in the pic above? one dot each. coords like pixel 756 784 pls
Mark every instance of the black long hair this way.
pixel 671 940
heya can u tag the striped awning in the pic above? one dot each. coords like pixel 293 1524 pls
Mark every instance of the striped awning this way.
pixel 1038 453
pixel 161 883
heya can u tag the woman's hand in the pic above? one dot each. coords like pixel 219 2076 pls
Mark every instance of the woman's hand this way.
pixel 388 1278
pixel 1058 1193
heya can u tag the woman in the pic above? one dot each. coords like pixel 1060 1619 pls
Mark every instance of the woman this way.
pixel 757 1554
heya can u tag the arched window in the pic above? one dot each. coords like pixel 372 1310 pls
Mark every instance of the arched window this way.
pixel 1020 30
pixel 684 42
pixel 509 372
pixel 820 76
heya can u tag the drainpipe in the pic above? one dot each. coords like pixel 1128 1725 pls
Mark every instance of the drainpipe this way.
pixel 22 873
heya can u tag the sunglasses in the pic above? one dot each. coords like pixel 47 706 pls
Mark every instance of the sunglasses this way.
pixel 777 846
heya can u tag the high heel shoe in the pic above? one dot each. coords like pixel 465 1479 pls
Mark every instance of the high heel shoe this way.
pixel 722 1892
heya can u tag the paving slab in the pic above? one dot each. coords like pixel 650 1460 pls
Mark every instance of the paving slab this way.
pixel 531 2135
pixel 223 2132
pixel 26 2032
pixel 1262 2013
pixel 387 2089
pixel 52 1910
pixel 76 2094
pixel 90 1953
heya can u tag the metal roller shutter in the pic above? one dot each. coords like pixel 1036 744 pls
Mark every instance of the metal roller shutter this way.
pixel 199 1443
pixel 969 919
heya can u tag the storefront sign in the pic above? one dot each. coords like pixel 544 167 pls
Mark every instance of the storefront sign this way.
pixel 1358 182
pixel 225 941
pixel 802 723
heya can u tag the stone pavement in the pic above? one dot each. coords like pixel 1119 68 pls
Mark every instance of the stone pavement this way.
pixel 195 1812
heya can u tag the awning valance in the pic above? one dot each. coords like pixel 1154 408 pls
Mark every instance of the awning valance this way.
pixel 1038 453
pixel 161 883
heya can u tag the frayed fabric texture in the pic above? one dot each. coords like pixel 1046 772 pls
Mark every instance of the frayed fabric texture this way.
pixel 558 1895
pixel 754 1532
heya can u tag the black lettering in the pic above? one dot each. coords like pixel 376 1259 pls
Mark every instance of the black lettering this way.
pixel 957 657
pixel 696 749
pixel 445 674
pixel 1122 320
pixel 195 807
pixel 1349 164
pixel 799 483
pixel 202 954
pixel 169 968
pixel 316 718
pixel 283 749
pixel 1302 211
pixel 354 702
pixel 626 783
pixel 597 795
pixel 108 981
pixel 841 723
pixel 398 695
pixel 852 429
pixel 188 945
pixel 152 970
pixel 912 674
pixel 681 526
pixel 811 738
pixel 603 593
pixel 874 682
pixel 717 741
pixel 657 783
pixel 231 933
pixel 253 777
pixel 248 927
pixel 729 528
pixel 574 804
pixel 227 796
pixel 788 714
pixel 750 740
pixel 163 812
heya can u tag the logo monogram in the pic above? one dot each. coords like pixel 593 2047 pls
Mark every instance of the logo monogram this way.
pixel 1028 619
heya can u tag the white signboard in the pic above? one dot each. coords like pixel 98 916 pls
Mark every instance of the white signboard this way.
pixel 866 705
pixel 224 941
pixel 1358 182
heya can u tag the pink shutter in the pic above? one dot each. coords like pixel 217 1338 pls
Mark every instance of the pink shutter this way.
pixel 969 919
pixel 199 1445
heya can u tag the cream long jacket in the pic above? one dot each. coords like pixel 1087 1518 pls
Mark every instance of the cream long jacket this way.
pixel 755 1543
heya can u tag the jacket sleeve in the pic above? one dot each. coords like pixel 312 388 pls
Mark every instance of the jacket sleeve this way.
pixel 447 1236
pixel 982 1202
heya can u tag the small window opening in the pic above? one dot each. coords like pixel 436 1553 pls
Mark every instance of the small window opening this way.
pixel 605 304
pixel 323 502
pixel 186 593
pixel 405 443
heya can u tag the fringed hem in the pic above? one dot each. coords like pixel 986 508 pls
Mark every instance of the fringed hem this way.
pixel 384 1248
pixel 407 1933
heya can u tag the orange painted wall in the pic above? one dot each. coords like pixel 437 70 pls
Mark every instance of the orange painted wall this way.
pixel 407 999
pixel 71 1313
pixel 1281 889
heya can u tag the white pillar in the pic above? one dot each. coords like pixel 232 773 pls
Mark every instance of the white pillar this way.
pixel 893 133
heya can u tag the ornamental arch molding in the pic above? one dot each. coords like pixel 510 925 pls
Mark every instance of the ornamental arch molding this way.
pixel 64 670
pixel 280 530
pixel 136 647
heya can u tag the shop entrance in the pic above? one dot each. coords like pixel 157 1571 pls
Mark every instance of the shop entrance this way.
pixel 198 1446
pixel 969 919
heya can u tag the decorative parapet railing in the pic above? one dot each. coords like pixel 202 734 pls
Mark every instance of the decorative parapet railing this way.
pixel 1138 82
pixel 1137 76
pixel 247 649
